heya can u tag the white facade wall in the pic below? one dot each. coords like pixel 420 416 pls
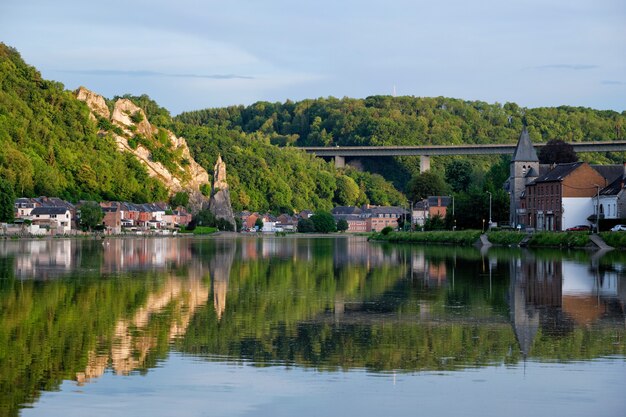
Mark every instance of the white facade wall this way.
pixel 609 206
pixel 269 227
pixel 576 210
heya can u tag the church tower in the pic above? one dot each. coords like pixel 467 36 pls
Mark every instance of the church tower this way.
pixel 524 168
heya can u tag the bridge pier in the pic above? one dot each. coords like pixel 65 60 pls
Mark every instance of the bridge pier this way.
pixel 340 161
pixel 424 163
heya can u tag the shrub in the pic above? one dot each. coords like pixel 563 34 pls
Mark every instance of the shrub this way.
pixel 386 230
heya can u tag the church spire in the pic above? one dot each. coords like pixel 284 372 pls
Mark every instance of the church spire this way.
pixel 525 150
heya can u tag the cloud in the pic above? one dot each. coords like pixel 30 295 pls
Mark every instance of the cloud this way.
pixel 142 74
pixel 574 67
pixel 613 82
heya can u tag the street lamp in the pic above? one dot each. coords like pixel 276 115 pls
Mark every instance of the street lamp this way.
pixel 489 208
pixel 453 218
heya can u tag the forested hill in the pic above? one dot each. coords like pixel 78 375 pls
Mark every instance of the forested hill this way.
pixel 50 147
pixel 385 120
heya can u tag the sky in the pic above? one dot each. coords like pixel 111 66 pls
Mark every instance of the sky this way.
pixel 196 54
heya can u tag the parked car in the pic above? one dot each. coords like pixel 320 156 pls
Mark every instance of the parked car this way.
pixel 579 228
pixel 618 228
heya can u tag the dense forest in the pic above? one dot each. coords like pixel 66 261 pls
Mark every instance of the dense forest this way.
pixel 386 120
pixel 49 146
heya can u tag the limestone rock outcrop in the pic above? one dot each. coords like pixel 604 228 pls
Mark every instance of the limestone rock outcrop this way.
pixel 219 204
pixel 129 122
pixel 95 102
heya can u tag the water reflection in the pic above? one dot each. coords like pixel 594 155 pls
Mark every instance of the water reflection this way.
pixel 73 309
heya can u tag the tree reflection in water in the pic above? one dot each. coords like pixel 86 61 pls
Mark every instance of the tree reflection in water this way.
pixel 72 309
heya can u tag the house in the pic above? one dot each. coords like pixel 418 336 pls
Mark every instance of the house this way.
pixel 356 223
pixel 420 213
pixel 561 198
pixel 305 214
pixel 57 219
pixel 611 201
pixel 287 223
pixel 23 207
pixel 176 218
pixel 250 221
pixel 269 224
pixel 379 217
pixel 112 219
pixel 438 205
pixel 352 215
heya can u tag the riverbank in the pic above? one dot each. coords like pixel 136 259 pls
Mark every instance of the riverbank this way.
pixel 580 240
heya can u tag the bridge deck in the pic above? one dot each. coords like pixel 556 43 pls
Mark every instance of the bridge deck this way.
pixel 432 150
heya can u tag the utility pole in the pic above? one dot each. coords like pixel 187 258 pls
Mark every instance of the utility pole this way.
pixel 489 209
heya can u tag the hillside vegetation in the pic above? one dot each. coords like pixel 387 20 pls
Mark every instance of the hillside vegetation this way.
pixel 49 146
pixel 386 120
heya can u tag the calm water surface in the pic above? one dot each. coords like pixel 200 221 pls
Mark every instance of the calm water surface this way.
pixel 308 326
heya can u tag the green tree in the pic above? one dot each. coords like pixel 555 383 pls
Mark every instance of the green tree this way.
pixel 557 152
pixel 347 192
pixel 459 174
pixel 426 184
pixel 258 223
pixel 91 215
pixel 305 226
pixel 342 225
pixel 7 202
pixel 324 222
pixel 181 198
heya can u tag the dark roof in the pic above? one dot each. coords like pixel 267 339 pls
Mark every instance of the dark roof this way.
pixel 348 217
pixel 532 173
pixel 385 210
pixel 525 150
pixel 433 201
pixel 613 188
pixel 48 210
pixel 346 210
pixel 421 205
pixel 610 172
pixel 559 172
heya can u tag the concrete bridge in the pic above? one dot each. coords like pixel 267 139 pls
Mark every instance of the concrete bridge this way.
pixel 340 153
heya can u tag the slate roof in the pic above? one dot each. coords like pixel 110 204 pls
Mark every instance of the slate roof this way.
pixel 433 201
pixel 559 172
pixel 48 210
pixel 613 188
pixel 346 210
pixel 385 210
pixel 610 172
pixel 525 150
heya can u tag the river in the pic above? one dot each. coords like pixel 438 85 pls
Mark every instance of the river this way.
pixel 284 326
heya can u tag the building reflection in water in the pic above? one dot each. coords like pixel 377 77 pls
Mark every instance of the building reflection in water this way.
pixel 545 296
pixel 558 295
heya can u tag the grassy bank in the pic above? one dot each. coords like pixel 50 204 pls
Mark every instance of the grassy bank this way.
pixel 500 238
pixel 615 239
pixel 461 238
pixel 505 238
pixel 560 239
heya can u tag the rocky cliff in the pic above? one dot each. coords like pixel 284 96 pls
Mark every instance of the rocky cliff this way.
pixel 219 204
pixel 132 132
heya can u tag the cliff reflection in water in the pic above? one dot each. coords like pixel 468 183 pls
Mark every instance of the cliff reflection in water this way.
pixel 73 309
